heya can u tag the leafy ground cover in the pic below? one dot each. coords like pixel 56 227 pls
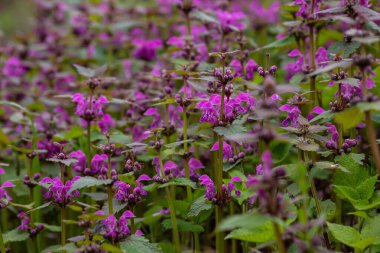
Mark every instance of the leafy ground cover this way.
pixel 191 126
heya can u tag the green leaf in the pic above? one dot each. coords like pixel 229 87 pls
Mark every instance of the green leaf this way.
pixel 297 79
pixel 51 228
pixel 183 226
pixel 111 248
pixel 344 234
pixel 248 220
pixel 347 47
pixel 139 244
pixel 349 118
pixel 331 66
pixel 181 181
pixel 15 235
pixel 231 130
pixel 366 188
pixel 368 106
pixel 39 207
pixel 85 182
pixel 83 71
pixel 177 143
pixel 15 105
pixel 328 209
pixel 199 205
pixel 347 192
pixel 258 235
pixel 357 172
pixel 204 17
pixel 371 229
pixel 278 43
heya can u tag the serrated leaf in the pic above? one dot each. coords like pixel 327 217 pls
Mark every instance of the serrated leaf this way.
pixel 178 143
pixel 66 162
pixel 51 228
pixel 349 118
pixel 247 220
pixel 39 207
pixel 347 47
pixel 181 181
pixel 331 66
pixel 183 226
pixel 83 71
pixel 139 244
pixel 85 182
pixel 366 106
pixel 15 235
pixel 199 205
pixel 344 234
pixel 366 188
pixel 278 43
pixel 204 17
pixel 258 234
pixel 97 196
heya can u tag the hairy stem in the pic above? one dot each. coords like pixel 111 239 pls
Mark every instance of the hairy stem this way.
pixel 109 188
pixel 63 228
pixel 280 243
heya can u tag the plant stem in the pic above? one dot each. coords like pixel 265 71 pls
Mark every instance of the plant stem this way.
pixel 174 220
pixel 63 228
pixel 219 235
pixel 88 155
pixel 186 150
pixel 2 245
pixel 280 243
pixel 197 247
pixel 109 188
pixel 234 242
pixel 372 140
pixel 173 217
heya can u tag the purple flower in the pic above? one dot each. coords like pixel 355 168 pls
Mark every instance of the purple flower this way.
pixel 230 21
pixel 58 192
pixel 126 193
pixel 227 149
pixel 25 221
pixel 211 193
pixel 106 123
pixel 14 67
pixel 4 197
pixel 89 109
pixel 116 230
pixel 262 16
pixel 2 171
pixel 146 49
pixel 292 117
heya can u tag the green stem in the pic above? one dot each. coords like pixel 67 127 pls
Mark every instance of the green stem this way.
pixel 186 150
pixel 234 242
pixel 173 217
pixel 109 188
pixel 88 155
pixel 219 235
pixel 197 246
pixel 2 245
pixel 280 243
pixel 63 228
pixel 174 220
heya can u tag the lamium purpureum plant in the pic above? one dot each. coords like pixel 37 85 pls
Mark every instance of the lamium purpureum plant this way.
pixel 190 126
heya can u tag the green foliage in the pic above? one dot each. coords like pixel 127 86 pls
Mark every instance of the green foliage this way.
pixel 180 181
pixel 351 236
pixel 15 235
pixel 183 226
pixel 199 205
pixel 85 182
pixel 139 244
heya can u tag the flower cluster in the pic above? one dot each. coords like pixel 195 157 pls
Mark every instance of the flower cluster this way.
pixel 59 192
pixel 219 196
